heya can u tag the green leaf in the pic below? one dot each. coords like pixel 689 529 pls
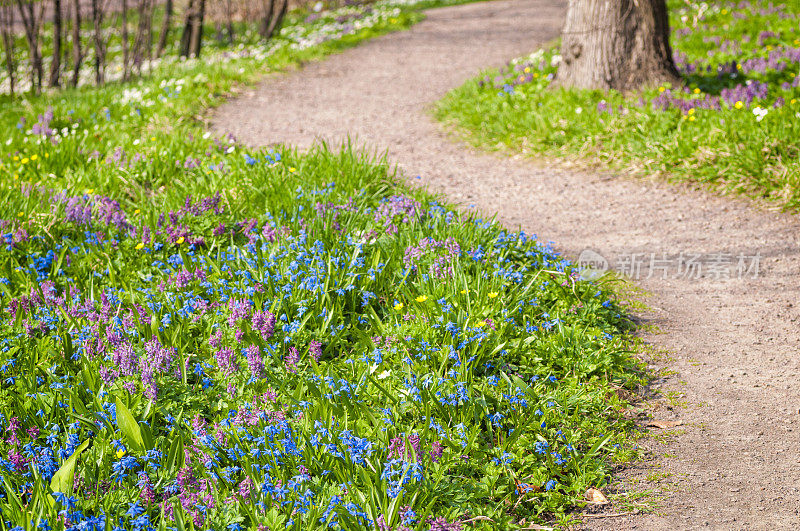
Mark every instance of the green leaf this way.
pixel 64 478
pixel 129 427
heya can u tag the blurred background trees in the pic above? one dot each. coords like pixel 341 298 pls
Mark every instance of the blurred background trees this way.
pixel 62 43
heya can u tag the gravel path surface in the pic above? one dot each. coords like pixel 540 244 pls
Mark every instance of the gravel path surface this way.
pixel 733 344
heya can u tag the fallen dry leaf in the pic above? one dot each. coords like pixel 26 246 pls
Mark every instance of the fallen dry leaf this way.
pixel 593 495
pixel 664 424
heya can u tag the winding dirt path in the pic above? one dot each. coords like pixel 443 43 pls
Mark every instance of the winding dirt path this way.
pixel 733 344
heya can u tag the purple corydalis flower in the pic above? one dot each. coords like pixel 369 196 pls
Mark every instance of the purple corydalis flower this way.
pixel 78 211
pixel 264 323
pixel 291 359
pixel 437 450
pixel 745 93
pixel 245 488
pixel 147 494
pixel 269 233
pixel 42 127
pixel 216 338
pixel 254 361
pixel 226 360
pixel 446 250
pixel 440 524
pixel 239 308
pixel 399 205
pixel 157 359
pixel 108 376
pixel 315 350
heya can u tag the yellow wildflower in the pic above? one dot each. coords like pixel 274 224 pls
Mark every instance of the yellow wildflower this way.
pixel 179 240
pixel 422 298
pixel 398 306
pixel 34 157
pixel 697 91
pixel 738 104
pixel 139 246
pixel 25 160
pixel 120 453
pixel 493 294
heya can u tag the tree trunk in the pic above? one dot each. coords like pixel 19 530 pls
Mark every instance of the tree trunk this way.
pixel 187 30
pixel 77 53
pixel 125 43
pixel 266 20
pixel 31 21
pixel 196 41
pixel 99 43
pixel 616 44
pixel 163 36
pixel 192 36
pixel 7 28
pixel 142 41
pixel 55 65
pixel 229 20
pixel 148 49
pixel 277 21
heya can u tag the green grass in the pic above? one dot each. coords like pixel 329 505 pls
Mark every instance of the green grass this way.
pixel 420 359
pixel 662 130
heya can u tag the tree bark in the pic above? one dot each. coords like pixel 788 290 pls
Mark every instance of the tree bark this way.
pixel 164 35
pixel 31 21
pixel 616 44
pixel 196 42
pixel 7 28
pixel 55 65
pixel 187 30
pixel 77 53
pixel 143 41
pixel 99 43
pixel 125 43
pixel 229 20
pixel 266 20
pixel 277 21
pixel 192 36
